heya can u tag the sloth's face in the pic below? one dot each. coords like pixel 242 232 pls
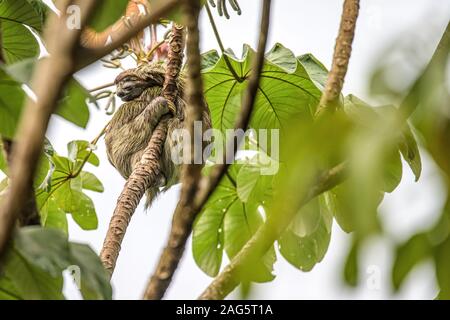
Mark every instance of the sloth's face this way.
pixel 130 87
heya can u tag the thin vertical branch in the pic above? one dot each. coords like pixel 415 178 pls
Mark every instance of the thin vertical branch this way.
pixel 191 172
pixel 341 57
pixel 48 81
pixel 186 212
pixel 148 171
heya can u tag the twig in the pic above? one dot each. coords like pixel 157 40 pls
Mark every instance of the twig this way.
pixel 187 212
pixel 147 171
pixel 341 57
pixel 48 81
pixel 220 43
pixel 266 235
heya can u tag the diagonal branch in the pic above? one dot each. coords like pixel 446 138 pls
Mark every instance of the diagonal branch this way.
pixel 341 57
pixel 186 212
pixel 266 235
pixel 48 80
pixel 147 172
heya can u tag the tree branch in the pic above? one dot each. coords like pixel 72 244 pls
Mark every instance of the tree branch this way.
pixel 191 172
pixel 266 235
pixel 148 170
pixel 48 80
pixel 186 212
pixel 341 57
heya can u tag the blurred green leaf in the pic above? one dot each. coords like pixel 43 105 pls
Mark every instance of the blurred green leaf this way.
pixel 442 261
pixel 351 266
pixel 34 264
pixel 73 107
pixel 408 255
pixel 10 106
pixel 305 242
pixel 94 278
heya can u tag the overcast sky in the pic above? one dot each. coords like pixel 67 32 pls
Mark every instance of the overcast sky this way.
pixel 303 26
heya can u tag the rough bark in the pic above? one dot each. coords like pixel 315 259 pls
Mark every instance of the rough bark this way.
pixel 264 238
pixel 143 176
pixel 191 173
pixel 341 57
pixel 147 173
pixel 48 81
pixel 186 211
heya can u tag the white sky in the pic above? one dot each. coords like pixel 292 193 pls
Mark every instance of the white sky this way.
pixel 303 26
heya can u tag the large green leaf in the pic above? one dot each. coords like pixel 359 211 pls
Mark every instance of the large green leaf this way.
pixel 227 223
pixel 284 93
pixel 20 11
pixel 18 43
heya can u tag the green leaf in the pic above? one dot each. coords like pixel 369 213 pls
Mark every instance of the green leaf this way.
pixel 442 261
pixel 20 11
pixel 209 59
pixel 27 281
pixel 282 57
pixel 315 69
pixel 241 222
pixel 94 278
pixel 107 13
pixel 52 216
pixel 304 252
pixel 408 255
pixel 3 163
pixel 80 149
pixel 392 172
pixel 410 151
pixel 73 107
pixel 11 105
pixel 282 95
pixel 207 239
pixel 79 205
pixel 47 248
pixel 252 186
pixel 91 182
pixel 34 264
pixel 351 267
pixel 18 43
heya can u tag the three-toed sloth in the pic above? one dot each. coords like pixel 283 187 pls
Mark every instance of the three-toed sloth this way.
pixel 131 127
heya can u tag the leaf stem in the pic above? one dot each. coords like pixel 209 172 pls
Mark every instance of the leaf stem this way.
pixel 220 43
